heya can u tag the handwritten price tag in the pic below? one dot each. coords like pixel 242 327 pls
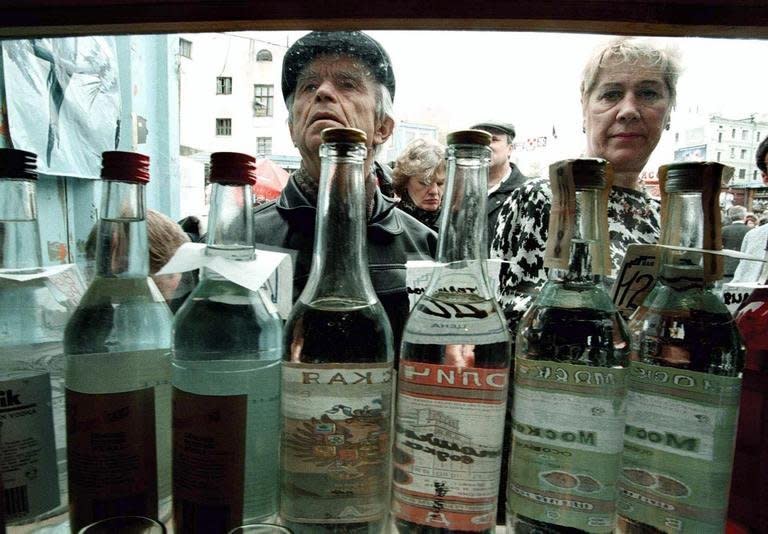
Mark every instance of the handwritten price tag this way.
pixel 635 279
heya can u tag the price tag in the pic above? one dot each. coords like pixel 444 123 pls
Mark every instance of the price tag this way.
pixel 635 279
pixel 734 295
pixel 419 273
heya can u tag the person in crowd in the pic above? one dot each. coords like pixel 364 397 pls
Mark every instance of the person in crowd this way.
pixel 733 235
pixel 164 237
pixel 750 220
pixel 419 180
pixel 503 175
pixel 755 240
pixel 628 91
pixel 343 79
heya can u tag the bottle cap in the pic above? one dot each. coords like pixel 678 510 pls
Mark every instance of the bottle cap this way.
pixel 343 135
pixel 232 168
pixel 18 164
pixel 469 137
pixel 692 175
pixel 125 166
pixel 590 173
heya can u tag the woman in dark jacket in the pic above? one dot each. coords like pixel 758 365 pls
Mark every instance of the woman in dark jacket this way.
pixel 419 180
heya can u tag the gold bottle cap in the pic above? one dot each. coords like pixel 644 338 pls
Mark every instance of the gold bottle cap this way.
pixel 343 135
pixel 469 137
pixel 692 176
pixel 588 173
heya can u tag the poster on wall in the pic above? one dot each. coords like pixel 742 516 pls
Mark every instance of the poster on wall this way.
pixel 63 101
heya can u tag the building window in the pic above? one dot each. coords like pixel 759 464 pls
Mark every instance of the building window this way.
pixel 744 135
pixel 733 133
pixel 718 155
pixel 185 48
pixel 223 126
pixel 677 137
pixel 263 146
pixel 743 153
pixel 754 176
pixel 757 137
pixel 223 85
pixel 263 97
pixel 733 153
pixel 264 55
pixel 742 173
pixel 719 137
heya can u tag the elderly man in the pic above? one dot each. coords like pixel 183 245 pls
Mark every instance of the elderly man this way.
pixel 343 79
pixel 503 176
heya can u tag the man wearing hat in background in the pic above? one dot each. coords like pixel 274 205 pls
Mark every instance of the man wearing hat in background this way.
pixel 343 79
pixel 503 176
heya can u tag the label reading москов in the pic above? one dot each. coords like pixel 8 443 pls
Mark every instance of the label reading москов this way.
pixel 678 450
pixel 448 434
pixel 567 437
pixel 336 420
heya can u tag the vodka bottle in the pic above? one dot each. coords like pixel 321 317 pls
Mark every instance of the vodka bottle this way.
pixel 337 365
pixel 454 369
pixel 571 359
pixel 117 346
pixel 685 375
pixel 749 488
pixel 226 376
pixel 32 318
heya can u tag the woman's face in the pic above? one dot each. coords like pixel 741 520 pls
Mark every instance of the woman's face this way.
pixel 427 193
pixel 625 114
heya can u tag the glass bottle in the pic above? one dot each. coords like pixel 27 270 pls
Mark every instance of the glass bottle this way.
pixel 33 314
pixel 571 357
pixel 749 488
pixel 685 374
pixel 117 347
pixel 454 368
pixel 226 376
pixel 337 365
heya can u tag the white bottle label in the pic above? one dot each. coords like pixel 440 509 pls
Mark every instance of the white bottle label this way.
pixel 448 445
pixel 28 451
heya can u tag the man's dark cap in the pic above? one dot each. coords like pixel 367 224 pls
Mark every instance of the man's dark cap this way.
pixel 496 126
pixel 355 44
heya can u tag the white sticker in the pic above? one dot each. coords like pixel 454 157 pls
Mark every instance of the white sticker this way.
pixel 28 451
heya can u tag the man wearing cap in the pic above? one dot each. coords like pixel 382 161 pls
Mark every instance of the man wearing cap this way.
pixel 343 79
pixel 503 176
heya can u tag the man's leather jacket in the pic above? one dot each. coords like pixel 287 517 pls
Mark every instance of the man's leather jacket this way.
pixel 394 237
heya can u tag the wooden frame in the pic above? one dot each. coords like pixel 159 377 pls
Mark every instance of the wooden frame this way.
pixel 700 18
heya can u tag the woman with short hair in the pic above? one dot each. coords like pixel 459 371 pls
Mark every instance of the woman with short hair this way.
pixel 419 180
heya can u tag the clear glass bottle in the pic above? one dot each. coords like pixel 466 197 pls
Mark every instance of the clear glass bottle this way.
pixel 226 376
pixel 33 314
pixel 337 365
pixel 748 503
pixel 117 347
pixel 685 374
pixel 454 368
pixel 571 359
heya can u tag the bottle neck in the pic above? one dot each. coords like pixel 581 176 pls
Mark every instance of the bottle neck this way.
pixel 463 221
pixel 683 227
pixel 230 224
pixel 121 249
pixel 340 255
pixel 19 230
pixel 588 242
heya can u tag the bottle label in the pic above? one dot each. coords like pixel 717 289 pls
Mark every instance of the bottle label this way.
pixel 567 438
pixel 452 310
pixel 28 453
pixel 678 451
pixel 448 434
pixel 208 461
pixel 335 450
pixel 118 433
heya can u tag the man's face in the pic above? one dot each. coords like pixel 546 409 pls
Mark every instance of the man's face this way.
pixel 501 149
pixel 335 91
